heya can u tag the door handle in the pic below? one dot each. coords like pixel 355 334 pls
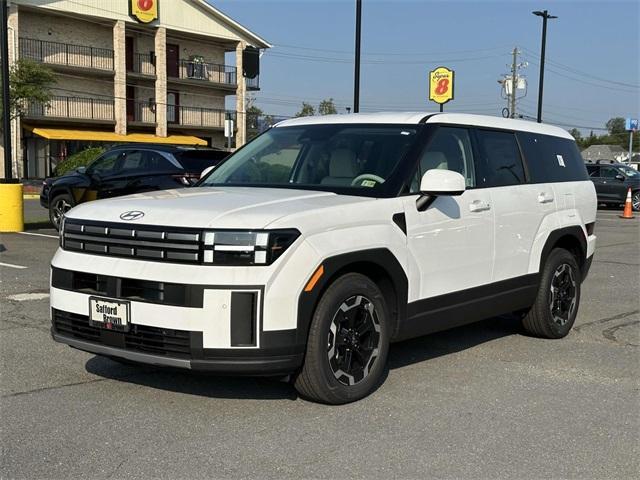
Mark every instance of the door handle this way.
pixel 543 197
pixel 479 206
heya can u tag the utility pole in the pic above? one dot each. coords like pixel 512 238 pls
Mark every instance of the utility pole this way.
pixel 514 82
pixel 545 16
pixel 6 113
pixel 356 76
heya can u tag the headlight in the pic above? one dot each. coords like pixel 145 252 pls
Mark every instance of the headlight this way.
pixel 224 247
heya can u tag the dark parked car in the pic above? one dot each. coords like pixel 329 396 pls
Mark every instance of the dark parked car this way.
pixel 123 170
pixel 612 180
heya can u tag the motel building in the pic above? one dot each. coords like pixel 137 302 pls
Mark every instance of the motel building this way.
pixel 156 71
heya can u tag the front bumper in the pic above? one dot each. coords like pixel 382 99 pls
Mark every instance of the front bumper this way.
pixel 178 348
pixel 255 365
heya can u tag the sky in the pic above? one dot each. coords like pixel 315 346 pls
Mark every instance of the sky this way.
pixel 592 71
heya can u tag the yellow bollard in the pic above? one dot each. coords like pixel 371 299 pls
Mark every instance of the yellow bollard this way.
pixel 11 207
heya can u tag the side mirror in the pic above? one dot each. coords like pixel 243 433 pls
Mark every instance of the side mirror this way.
pixel 81 169
pixel 206 171
pixel 437 183
pixel 620 177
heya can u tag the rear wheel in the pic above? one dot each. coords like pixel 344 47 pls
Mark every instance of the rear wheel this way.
pixel 635 200
pixel 348 342
pixel 60 205
pixel 556 306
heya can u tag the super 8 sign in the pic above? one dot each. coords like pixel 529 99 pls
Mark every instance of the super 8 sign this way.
pixel 144 11
pixel 441 85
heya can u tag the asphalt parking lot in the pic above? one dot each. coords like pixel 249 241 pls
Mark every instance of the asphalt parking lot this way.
pixel 482 401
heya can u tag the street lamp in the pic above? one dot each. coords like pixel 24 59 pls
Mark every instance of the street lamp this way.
pixel 545 16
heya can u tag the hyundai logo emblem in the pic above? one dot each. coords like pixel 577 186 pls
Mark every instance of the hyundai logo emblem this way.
pixel 131 215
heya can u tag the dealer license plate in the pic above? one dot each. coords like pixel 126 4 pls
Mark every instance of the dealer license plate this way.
pixel 109 314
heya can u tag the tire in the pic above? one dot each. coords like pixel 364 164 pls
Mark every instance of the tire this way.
pixel 341 366
pixel 635 201
pixel 554 312
pixel 59 205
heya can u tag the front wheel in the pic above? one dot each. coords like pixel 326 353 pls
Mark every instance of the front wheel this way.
pixel 635 201
pixel 556 305
pixel 348 342
pixel 60 204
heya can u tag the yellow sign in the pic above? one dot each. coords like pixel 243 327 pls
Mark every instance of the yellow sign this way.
pixel 144 11
pixel 441 85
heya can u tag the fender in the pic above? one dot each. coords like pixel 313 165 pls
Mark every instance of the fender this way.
pixel 381 258
pixel 575 232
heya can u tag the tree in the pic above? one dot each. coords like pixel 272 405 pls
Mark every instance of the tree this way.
pixel 615 125
pixel 327 107
pixel 29 82
pixel 307 110
pixel 575 133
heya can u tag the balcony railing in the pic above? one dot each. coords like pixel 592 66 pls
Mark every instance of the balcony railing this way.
pixel 210 72
pixel 73 108
pixel 66 54
pixel 198 116
pixel 141 111
pixel 143 63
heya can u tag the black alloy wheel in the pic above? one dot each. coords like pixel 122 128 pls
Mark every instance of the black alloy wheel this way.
pixel 563 295
pixel 353 343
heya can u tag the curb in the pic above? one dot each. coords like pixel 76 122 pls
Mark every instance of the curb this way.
pixel 28 196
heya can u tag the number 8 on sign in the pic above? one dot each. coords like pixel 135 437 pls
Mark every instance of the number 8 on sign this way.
pixel 441 83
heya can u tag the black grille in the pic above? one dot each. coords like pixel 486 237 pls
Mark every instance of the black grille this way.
pixel 140 338
pixel 179 245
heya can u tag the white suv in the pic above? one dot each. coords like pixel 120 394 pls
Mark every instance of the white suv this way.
pixel 317 244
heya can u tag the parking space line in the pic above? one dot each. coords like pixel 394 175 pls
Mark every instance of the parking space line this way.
pixel 10 265
pixel 39 235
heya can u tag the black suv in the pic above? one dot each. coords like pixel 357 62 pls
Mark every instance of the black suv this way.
pixel 612 180
pixel 127 169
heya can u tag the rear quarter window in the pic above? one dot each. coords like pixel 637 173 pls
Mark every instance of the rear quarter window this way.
pixel 552 159
pixel 197 160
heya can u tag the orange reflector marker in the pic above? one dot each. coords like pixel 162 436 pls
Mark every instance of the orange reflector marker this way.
pixel 314 279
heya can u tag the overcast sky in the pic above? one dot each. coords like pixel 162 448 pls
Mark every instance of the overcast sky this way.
pixel 592 54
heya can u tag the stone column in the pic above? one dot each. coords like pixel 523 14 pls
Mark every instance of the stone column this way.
pixel 120 77
pixel 16 127
pixel 161 81
pixel 241 92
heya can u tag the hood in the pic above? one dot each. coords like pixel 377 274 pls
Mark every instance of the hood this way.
pixel 211 207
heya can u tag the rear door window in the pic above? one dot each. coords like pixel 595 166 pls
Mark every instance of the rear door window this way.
pixel 593 171
pixel 552 159
pixel 499 164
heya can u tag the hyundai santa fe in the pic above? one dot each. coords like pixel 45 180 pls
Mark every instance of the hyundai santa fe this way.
pixel 316 245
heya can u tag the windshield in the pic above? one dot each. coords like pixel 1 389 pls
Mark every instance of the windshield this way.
pixel 630 172
pixel 352 157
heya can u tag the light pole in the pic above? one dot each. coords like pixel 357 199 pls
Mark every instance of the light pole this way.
pixel 545 16
pixel 356 75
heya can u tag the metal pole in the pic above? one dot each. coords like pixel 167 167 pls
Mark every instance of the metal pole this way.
pixel 6 112
pixel 356 76
pixel 514 79
pixel 542 53
pixel 630 146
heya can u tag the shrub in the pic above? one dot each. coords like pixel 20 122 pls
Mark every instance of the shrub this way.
pixel 80 159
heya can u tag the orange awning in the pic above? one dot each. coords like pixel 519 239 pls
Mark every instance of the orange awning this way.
pixel 105 136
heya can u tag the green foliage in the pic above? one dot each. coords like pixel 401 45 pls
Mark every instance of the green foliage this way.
pixel 327 107
pixel 307 110
pixel 615 125
pixel 575 133
pixel 80 159
pixel 616 135
pixel 29 81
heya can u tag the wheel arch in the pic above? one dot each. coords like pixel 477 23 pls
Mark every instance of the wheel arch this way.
pixel 380 265
pixel 571 239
